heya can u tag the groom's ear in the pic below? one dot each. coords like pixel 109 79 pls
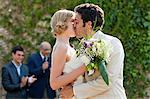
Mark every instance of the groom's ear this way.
pixel 89 24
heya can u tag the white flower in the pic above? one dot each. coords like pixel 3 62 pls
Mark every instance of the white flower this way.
pixel 85 59
pixel 94 49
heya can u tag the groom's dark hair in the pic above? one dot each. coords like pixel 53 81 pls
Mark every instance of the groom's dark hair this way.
pixel 91 12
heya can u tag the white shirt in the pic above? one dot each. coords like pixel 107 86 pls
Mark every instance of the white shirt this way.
pixel 43 56
pixel 17 67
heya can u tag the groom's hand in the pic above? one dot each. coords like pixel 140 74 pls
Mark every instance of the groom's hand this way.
pixel 66 92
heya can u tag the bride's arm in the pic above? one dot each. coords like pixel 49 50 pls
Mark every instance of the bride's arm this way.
pixel 58 61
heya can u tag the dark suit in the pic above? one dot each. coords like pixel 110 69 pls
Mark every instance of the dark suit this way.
pixel 11 81
pixel 37 89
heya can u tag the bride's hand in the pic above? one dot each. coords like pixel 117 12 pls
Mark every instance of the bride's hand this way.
pixel 66 92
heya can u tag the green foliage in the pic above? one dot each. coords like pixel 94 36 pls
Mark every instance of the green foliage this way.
pixel 129 20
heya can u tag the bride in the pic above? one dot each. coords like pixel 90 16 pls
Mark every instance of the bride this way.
pixel 63 54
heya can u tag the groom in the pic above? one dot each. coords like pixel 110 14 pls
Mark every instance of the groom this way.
pixel 88 16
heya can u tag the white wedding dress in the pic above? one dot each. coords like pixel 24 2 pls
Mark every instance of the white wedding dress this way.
pixel 72 53
pixel 72 64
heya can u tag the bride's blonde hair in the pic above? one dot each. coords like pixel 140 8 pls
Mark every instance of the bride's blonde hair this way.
pixel 59 21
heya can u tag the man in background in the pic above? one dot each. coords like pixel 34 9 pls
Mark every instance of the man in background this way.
pixel 39 65
pixel 15 78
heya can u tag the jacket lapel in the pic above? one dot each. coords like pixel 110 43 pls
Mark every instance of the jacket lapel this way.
pixel 13 73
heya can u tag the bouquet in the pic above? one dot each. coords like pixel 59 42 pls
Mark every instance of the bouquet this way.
pixel 98 51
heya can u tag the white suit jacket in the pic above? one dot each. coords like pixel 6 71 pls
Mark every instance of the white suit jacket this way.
pixel 97 89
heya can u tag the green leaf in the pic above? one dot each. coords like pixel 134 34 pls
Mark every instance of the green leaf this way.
pixel 103 71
